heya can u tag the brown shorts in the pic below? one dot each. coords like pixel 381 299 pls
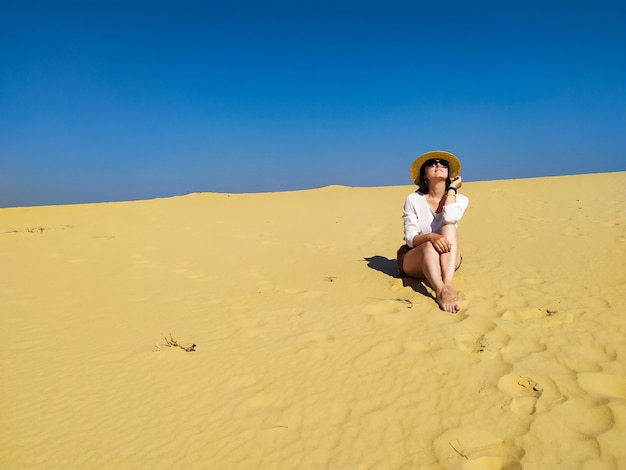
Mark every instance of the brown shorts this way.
pixel 402 251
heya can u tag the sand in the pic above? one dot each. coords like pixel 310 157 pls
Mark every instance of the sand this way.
pixel 310 352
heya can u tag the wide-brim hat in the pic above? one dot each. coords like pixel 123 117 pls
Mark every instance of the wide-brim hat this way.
pixel 454 164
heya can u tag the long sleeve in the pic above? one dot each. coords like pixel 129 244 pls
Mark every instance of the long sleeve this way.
pixel 418 217
pixel 411 224
pixel 452 213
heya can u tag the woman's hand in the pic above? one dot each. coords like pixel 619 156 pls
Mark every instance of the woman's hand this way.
pixel 456 182
pixel 441 243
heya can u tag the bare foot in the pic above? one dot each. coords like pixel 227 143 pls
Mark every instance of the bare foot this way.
pixel 455 294
pixel 447 301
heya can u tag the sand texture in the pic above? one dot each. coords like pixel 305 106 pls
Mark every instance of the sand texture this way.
pixel 310 352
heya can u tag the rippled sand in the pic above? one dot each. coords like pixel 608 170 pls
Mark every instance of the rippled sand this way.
pixel 310 353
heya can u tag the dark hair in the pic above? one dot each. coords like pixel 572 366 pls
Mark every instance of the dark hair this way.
pixel 423 184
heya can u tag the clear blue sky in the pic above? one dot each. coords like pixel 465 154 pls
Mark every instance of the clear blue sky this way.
pixel 119 100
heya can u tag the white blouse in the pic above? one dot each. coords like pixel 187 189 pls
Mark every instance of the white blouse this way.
pixel 419 218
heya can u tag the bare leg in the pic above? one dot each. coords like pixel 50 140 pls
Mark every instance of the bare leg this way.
pixel 424 261
pixel 450 261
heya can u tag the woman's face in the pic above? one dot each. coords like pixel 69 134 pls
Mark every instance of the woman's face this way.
pixel 436 168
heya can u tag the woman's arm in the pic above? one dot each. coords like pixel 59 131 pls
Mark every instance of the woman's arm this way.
pixel 412 231
pixel 411 224
pixel 454 208
pixel 441 243
pixel 455 204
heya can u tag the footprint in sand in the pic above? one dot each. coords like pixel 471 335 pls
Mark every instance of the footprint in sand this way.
pixel 260 411
pixel 586 416
pixel 550 316
pixel 602 385
pixel 313 344
pixel 385 313
pixel 488 345
pixel 472 343
pixel 521 347
pixel 479 335
pixel 481 448
pixel 523 390
pixel 518 315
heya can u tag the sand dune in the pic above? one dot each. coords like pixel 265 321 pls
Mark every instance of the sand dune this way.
pixel 310 353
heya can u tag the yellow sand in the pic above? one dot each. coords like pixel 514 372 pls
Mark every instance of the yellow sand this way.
pixel 310 353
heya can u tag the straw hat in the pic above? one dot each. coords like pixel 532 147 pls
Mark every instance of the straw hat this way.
pixel 453 162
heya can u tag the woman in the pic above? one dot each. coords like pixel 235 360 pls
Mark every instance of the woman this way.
pixel 431 216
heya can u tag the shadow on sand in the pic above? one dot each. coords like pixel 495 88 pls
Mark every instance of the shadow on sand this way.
pixel 390 268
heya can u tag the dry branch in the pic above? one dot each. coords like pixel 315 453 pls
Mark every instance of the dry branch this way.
pixel 172 343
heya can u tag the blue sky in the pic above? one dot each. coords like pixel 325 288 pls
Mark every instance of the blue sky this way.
pixel 122 100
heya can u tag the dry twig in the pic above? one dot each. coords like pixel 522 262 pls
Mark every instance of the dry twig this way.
pixel 405 301
pixel 172 343
pixel 462 454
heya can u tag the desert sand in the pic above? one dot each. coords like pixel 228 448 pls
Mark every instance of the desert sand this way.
pixel 299 347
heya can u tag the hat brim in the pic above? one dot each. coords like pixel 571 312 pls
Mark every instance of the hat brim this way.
pixel 453 163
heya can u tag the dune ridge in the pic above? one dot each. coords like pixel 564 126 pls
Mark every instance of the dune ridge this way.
pixel 310 351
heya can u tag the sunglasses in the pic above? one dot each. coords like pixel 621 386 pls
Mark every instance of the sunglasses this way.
pixel 435 161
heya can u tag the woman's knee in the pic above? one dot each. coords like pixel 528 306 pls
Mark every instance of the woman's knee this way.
pixel 450 232
pixel 429 252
